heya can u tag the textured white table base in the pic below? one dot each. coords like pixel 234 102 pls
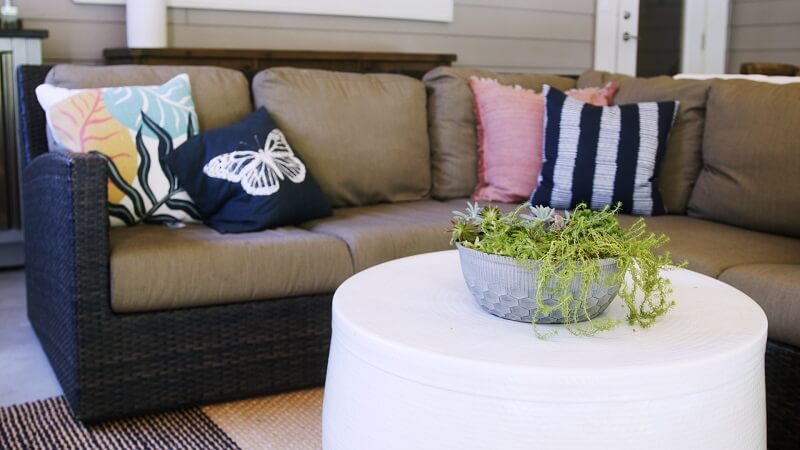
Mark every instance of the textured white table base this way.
pixel 382 393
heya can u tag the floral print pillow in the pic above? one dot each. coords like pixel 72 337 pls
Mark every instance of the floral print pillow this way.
pixel 133 128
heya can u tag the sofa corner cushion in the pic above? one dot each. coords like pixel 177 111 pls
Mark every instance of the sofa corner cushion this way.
pixel 364 137
pixel 452 126
pixel 683 157
pixel 154 267
pixel 776 288
pixel 221 96
pixel 751 157
pixel 710 248
pixel 380 233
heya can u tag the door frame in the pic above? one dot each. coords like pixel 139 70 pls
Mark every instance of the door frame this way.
pixel 705 36
pixel 704 46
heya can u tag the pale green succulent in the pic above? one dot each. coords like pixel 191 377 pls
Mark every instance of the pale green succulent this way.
pixel 540 213
pixel 472 215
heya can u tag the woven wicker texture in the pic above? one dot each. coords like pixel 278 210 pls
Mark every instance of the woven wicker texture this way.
pixel 783 396
pixel 33 125
pixel 112 365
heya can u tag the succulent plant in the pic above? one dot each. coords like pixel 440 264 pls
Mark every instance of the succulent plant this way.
pixel 566 247
pixel 543 214
pixel 472 215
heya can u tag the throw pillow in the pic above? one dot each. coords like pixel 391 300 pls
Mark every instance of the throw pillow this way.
pixel 246 177
pixel 602 155
pixel 133 128
pixel 452 128
pixel 598 96
pixel 509 124
pixel 682 159
pixel 509 140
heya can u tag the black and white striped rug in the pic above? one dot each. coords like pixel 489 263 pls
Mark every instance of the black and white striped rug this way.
pixel 286 421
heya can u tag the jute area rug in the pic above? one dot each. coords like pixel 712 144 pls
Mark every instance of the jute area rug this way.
pixel 285 421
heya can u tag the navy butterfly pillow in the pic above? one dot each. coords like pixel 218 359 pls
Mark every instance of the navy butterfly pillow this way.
pixel 603 155
pixel 246 177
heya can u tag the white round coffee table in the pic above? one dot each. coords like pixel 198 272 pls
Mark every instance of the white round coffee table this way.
pixel 416 364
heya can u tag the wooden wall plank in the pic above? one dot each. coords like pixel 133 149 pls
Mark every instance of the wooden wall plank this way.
pixel 67 44
pixel 765 13
pixel 764 31
pixel 526 55
pixel 553 36
pixel 571 6
pixel 773 37
pixel 469 21
pixel 736 58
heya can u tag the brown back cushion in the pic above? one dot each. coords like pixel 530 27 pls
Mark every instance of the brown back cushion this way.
pixel 751 157
pixel 682 160
pixel 451 122
pixel 364 137
pixel 221 96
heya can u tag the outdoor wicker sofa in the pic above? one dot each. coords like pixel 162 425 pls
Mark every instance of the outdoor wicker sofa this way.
pixel 113 364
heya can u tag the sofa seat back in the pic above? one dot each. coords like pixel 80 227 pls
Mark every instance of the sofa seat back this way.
pixel 364 137
pixel 221 96
pixel 751 157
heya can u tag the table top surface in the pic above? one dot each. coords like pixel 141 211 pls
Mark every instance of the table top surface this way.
pixel 415 317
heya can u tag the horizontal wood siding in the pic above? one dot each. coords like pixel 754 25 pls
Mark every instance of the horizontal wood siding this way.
pixel 764 31
pixel 554 36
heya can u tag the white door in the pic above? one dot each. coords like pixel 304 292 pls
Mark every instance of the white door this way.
pixel 705 36
pixel 704 39
pixel 616 29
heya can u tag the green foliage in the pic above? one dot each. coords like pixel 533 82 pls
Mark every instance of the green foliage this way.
pixel 571 245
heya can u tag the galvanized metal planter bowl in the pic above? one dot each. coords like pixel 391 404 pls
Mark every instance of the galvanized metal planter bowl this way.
pixel 508 290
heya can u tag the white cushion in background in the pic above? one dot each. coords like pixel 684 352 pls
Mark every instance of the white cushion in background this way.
pixel 735 76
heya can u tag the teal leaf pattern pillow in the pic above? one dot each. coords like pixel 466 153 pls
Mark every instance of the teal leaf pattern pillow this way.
pixel 170 105
pixel 134 128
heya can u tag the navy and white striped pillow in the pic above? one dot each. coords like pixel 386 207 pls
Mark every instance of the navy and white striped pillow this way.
pixel 602 155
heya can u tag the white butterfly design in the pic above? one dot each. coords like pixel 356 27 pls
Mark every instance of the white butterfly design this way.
pixel 259 171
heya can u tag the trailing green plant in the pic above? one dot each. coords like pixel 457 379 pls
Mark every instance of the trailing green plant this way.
pixel 569 245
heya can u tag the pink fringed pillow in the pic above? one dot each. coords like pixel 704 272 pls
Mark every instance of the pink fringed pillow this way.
pixel 510 124
pixel 509 121
pixel 597 96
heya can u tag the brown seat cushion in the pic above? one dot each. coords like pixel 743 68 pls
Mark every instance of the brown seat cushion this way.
pixel 364 137
pixel 711 248
pixel 379 233
pixel 451 122
pixel 751 157
pixel 682 160
pixel 154 267
pixel 776 287
pixel 221 96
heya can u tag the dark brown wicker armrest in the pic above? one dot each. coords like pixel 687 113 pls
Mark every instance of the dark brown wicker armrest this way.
pixel 65 220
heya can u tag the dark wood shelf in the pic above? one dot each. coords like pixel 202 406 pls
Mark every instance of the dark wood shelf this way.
pixel 253 61
pixel 24 33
